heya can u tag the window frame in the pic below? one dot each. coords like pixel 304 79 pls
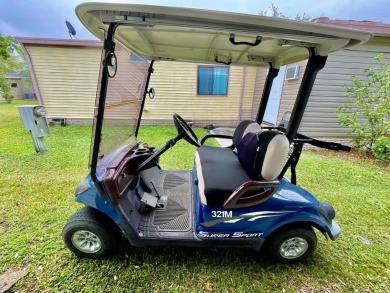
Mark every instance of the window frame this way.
pixel 212 66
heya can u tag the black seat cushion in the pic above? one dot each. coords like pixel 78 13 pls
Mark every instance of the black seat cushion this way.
pixel 219 173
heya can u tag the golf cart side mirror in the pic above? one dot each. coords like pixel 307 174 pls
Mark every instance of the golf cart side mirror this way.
pixel 151 93
pixel 111 63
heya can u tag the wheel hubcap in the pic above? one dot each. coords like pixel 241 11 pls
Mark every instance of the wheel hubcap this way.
pixel 293 247
pixel 86 241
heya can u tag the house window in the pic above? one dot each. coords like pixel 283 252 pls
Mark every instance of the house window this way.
pixel 213 80
pixel 14 84
pixel 135 57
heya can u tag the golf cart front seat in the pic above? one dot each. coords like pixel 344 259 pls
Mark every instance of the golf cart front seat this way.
pixel 248 178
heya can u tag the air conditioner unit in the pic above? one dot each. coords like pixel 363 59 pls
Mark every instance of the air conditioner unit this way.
pixel 292 73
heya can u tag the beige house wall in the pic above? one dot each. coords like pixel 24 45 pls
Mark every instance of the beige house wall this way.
pixel 175 84
pixel 261 75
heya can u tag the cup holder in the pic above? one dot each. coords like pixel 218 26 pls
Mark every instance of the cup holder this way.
pixel 141 152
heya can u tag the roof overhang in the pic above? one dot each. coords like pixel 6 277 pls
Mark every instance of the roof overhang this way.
pixel 201 36
pixel 58 42
pixel 379 29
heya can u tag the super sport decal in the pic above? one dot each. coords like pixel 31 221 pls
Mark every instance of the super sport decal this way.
pixel 203 234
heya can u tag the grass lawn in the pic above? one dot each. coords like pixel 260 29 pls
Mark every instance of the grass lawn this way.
pixel 36 199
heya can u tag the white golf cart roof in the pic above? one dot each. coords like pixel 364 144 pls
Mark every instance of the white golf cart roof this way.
pixel 201 36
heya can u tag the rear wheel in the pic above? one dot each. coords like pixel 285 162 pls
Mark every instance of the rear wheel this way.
pixel 89 233
pixel 293 245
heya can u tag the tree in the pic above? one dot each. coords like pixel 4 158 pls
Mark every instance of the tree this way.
pixel 11 60
pixel 367 112
pixel 274 12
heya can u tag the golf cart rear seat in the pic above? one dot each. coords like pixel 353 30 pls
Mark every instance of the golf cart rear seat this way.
pixel 228 180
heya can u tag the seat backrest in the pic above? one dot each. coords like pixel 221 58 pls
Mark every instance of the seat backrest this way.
pixel 263 155
pixel 243 128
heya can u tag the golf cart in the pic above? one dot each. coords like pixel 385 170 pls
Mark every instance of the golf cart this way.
pixel 234 196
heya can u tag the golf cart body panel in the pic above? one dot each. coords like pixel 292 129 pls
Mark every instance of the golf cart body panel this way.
pixel 153 206
pixel 87 194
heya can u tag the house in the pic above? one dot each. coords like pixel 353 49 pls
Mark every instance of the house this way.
pixel 328 93
pixel 65 74
pixel 20 85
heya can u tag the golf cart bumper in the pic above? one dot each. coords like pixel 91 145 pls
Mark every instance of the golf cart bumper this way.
pixel 335 230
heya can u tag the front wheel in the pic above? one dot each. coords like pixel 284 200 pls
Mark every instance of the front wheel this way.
pixel 293 245
pixel 89 233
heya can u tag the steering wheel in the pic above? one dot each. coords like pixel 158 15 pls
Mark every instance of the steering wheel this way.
pixel 185 130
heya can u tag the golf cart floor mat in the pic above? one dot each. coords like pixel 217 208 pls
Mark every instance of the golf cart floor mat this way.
pixel 175 214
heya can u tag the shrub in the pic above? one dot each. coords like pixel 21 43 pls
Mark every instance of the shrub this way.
pixel 8 96
pixel 381 149
pixel 367 112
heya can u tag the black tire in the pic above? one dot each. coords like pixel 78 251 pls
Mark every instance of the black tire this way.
pixel 292 245
pixel 91 234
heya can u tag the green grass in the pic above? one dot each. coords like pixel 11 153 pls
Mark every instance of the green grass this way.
pixel 36 199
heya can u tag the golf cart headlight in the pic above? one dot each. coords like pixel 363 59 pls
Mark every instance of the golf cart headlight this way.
pixel 327 210
pixel 82 187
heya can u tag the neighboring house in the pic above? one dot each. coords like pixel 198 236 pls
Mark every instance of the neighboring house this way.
pixel 21 87
pixel 65 75
pixel 320 118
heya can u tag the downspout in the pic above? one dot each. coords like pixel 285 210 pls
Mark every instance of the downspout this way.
pixel 32 74
pixel 243 80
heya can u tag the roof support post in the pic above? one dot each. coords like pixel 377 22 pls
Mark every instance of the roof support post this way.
pixel 109 46
pixel 314 64
pixel 272 73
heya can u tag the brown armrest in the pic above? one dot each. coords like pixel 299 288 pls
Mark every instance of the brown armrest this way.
pixel 237 199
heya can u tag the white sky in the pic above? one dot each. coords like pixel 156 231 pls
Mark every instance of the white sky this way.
pixel 38 18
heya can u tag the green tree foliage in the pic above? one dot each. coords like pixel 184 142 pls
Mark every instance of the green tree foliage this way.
pixel 273 11
pixel 11 60
pixel 367 112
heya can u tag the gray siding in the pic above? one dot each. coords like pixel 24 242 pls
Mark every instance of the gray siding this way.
pixel 320 118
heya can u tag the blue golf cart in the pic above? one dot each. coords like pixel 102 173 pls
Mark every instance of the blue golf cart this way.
pixel 236 196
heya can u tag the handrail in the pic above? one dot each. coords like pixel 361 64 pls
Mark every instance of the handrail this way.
pixel 254 44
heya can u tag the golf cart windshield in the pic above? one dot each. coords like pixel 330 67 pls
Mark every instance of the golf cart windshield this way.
pixel 125 90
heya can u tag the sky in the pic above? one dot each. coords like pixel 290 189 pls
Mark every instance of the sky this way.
pixel 46 19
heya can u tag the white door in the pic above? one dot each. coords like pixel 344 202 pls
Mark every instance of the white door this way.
pixel 271 112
